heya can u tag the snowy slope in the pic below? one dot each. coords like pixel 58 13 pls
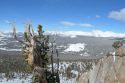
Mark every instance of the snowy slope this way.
pixel 94 33
pixel 75 47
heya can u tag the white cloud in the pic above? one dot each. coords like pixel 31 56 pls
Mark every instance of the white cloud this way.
pixel 86 25
pixel 67 23
pixel 97 16
pixel 118 15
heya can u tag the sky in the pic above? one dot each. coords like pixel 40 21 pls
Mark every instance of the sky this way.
pixel 64 15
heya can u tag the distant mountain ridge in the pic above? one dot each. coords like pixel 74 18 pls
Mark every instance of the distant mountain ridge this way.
pixel 94 33
pixel 70 44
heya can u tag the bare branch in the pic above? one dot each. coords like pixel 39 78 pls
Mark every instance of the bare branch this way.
pixel 33 33
pixel 15 36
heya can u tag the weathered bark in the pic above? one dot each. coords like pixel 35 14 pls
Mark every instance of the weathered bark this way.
pixel 40 72
pixel 32 51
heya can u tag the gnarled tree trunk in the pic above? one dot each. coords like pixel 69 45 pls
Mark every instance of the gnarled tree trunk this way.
pixel 35 51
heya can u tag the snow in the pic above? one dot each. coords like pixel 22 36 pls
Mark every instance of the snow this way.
pixel 61 46
pixel 75 47
pixel 85 54
pixel 2 44
pixel 2 34
pixel 63 78
pixel 94 33
pixel 2 38
pixel 15 81
pixel 75 72
pixel 114 58
pixel 73 34
pixel 62 69
pixel 5 49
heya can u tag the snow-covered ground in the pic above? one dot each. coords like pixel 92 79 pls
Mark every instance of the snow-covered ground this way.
pixel 62 80
pixel 75 47
pixel 15 81
pixel 76 68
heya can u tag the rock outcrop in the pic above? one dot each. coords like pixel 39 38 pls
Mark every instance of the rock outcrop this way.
pixel 120 51
pixel 108 70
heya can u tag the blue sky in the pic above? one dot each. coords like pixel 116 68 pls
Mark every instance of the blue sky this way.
pixel 64 15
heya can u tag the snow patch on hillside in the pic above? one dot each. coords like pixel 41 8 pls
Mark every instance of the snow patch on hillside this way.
pixel 6 49
pixel 2 34
pixel 2 44
pixel 85 54
pixel 61 46
pixel 75 47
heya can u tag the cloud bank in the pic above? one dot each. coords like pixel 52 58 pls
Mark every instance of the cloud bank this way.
pixel 118 15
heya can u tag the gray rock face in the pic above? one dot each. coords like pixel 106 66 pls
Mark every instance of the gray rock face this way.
pixel 106 71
